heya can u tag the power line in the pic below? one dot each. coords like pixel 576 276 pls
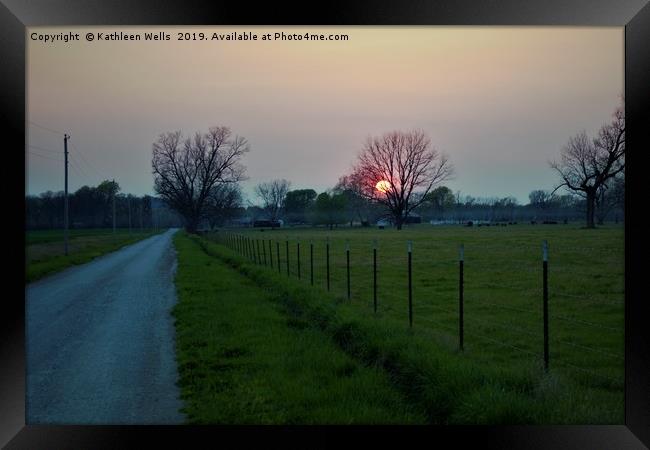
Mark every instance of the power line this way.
pixel 45 128
pixel 46 157
pixel 85 161
pixel 78 168
pixel 44 149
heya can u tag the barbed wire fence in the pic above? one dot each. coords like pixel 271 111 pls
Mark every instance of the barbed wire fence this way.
pixel 537 325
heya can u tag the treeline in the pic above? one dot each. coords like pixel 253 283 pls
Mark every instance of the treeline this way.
pixel 92 207
pixel 342 206
pixel 398 177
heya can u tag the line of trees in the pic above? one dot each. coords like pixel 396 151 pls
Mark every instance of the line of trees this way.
pixel 339 207
pixel 90 207
pixel 397 177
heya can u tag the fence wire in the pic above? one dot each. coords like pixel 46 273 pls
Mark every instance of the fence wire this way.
pixel 440 275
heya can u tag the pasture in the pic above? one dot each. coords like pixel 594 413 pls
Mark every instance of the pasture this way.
pixel 44 249
pixel 503 328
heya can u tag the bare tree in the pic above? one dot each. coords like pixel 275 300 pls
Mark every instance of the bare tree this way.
pixel 224 200
pixel 273 194
pixel 588 164
pixel 398 169
pixel 608 198
pixel 185 174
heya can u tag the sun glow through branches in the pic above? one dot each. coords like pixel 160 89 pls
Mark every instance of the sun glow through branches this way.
pixel 383 186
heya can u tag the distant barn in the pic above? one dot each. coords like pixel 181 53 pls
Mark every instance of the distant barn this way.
pixel 413 218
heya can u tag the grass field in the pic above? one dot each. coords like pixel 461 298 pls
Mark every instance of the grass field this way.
pixel 503 310
pixel 44 252
pixel 242 360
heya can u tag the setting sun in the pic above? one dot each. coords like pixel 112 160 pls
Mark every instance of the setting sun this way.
pixel 383 186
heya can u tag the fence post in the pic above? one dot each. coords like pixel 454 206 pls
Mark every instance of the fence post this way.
pixel 545 300
pixel 311 261
pixel 259 255
pixel 271 252
pixel 410 248
pixel 374 274
pixel 461 261
pixel 288 274
pixel 264 251
pixel 327 253
pixel 347 258
pixel 277 248
pixel 298 256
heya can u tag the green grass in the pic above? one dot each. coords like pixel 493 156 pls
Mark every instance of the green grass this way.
pixel 498 378
pixel 243 360
pixel 44 250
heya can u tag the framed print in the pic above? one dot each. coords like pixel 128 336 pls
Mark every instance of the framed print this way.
pixel 267 222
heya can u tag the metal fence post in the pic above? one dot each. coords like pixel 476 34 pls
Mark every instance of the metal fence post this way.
pixel 311 262
pixel 545 300
pixel 288 274
pixel 271 252
pixel 374 274
pixel 327 253
pixel 298 256
pixel 347 258
pixel 461 261
pixel 410 248
pixel 277 248
pixel 264 251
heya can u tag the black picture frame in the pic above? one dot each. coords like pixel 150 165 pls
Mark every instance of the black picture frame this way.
pixel 15 15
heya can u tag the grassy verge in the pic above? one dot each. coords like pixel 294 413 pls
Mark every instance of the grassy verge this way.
pixel 243 359
pixel 451 387
pixel 502 287
pixel 45 252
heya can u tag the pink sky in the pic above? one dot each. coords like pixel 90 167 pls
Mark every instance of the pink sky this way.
pixel 500 101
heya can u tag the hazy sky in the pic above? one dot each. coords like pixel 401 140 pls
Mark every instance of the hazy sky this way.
pixel 500 101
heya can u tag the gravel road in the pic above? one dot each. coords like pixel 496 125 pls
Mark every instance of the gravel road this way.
pixel 100 340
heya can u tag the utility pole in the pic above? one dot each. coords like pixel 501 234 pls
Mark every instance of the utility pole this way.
pixel 114 192
pixel 65 198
